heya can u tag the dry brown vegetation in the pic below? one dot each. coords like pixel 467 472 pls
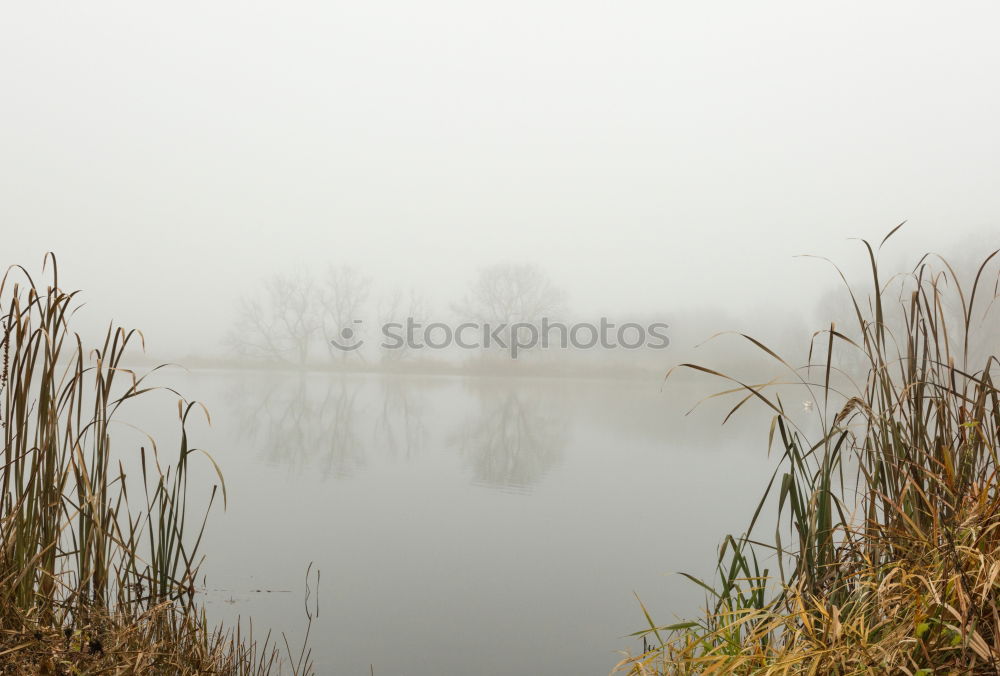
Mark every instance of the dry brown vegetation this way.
pixel 98 551
pixel 886 556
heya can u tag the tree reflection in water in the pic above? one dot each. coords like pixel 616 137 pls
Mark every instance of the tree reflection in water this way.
pixel 514 437
pixel 302 420
pixel 399 424
pixel 509 437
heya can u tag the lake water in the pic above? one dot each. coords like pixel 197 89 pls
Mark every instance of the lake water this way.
pixel 466 525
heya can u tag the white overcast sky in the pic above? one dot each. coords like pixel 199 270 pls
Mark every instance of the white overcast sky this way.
pixel 648 154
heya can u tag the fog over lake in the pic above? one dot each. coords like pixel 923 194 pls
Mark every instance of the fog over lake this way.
pixel 498 522
pixel 262 187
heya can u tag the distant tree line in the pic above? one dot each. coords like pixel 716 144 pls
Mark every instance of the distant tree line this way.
pixel 292 317
pixel 297 319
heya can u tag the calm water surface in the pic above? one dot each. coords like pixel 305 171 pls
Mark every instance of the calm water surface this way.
pixel 466 525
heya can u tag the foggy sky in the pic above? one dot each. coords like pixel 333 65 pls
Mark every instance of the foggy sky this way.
pixel 647 154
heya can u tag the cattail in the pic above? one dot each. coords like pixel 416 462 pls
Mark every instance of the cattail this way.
pixel 6 357
pixel 6 362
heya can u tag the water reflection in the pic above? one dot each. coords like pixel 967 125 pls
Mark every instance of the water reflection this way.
pixel 513 438
pixel 508 437
pixel 399 425
pixel 508 433
pixel 583 458
pixel 300 422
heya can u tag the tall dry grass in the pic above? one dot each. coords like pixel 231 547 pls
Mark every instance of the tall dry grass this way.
pixel 99 549
pixel 886 554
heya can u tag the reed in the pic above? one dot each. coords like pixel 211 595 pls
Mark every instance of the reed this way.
pixel 886 554
pixel 99 548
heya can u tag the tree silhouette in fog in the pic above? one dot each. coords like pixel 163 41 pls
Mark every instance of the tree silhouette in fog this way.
pixel 279 323
pixel 396 308
pixel 506 293
pixel 291 313
pixel 343 295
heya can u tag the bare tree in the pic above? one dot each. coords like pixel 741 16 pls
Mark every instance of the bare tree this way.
pixel 280 323
pixel 344 294
pixel 508 293
pixel 396 309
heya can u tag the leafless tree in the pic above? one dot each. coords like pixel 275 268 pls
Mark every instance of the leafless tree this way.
pixel 508 293
pixel 396 309
pixel 505 294
pixel 343 296
pixel 280 323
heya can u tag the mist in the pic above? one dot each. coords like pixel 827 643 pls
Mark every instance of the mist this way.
pixel 270 191
pixel 650 157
